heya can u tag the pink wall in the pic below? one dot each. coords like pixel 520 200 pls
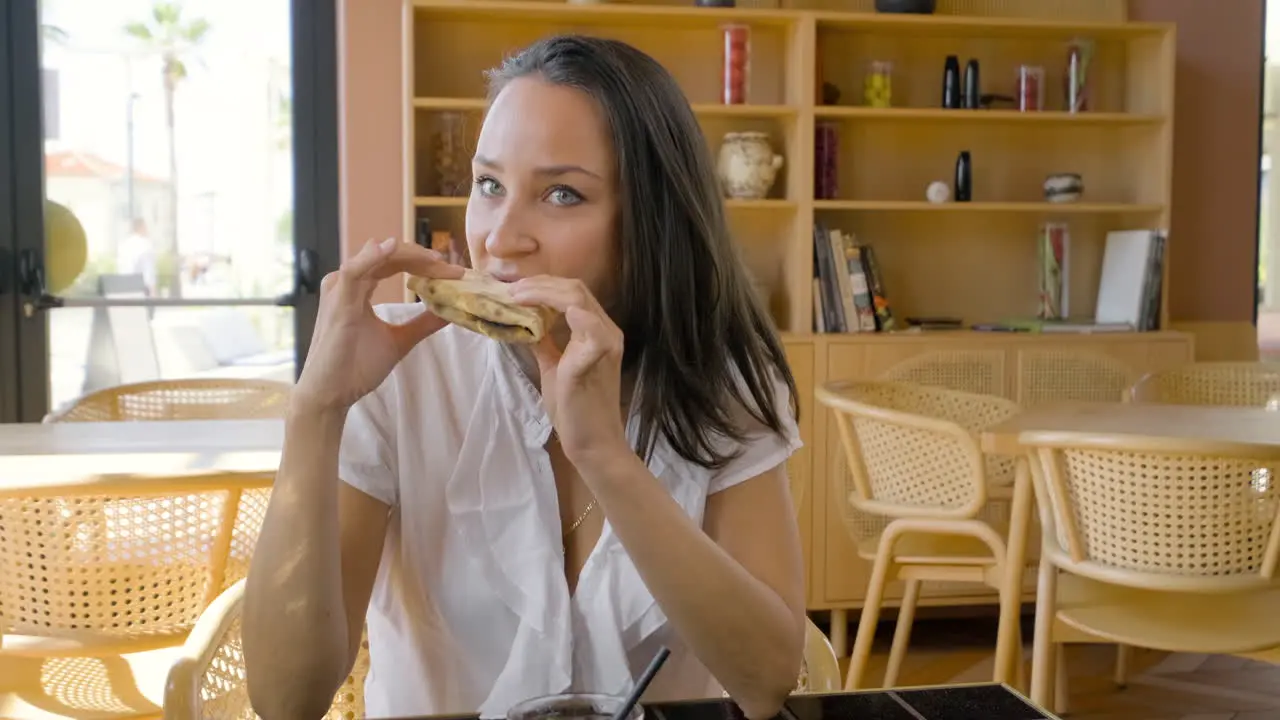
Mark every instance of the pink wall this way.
pixel 370 125
pixel 1215 155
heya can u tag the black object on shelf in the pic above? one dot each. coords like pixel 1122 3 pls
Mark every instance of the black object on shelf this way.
pixel 918 7
pixel 964 177
pixel 423 234
pixel 714 3
pixel 991 100
pixel 951 83
pixel 972 86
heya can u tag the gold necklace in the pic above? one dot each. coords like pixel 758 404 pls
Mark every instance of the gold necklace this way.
pixel 583 516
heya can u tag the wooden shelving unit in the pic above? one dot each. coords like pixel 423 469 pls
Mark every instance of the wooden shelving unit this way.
pixel 973 260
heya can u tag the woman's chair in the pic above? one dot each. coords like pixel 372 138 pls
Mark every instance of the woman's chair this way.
pixel 208 680
pixel 821 670
pixel 1151 543
pixel 1255 384
pixel 188 399
pixel 913 457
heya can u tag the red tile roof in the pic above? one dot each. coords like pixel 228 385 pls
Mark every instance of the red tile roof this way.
pixel 69 163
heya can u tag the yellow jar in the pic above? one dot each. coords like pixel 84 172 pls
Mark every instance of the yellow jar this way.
pixel 877 85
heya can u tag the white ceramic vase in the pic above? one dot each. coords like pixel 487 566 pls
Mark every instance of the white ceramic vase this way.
pixel 747 165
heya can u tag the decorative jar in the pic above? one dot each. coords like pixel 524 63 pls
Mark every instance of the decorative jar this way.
pixel 747 165
pixel 1063 187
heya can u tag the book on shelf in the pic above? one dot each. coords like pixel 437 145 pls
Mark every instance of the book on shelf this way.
pixel 1131 283
pixel 848 292
pixel 1041 325
pixel 1054 254
pixel 1129 286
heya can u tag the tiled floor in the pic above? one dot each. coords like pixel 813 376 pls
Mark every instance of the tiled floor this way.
pixel 1161 686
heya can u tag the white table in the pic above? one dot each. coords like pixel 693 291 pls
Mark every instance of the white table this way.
pixel 42 458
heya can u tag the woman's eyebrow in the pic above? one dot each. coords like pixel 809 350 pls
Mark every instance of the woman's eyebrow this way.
pixel 550 170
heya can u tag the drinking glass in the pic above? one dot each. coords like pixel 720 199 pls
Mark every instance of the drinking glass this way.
pixel 572 706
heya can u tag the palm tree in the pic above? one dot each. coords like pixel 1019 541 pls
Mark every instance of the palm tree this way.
pixel 53 33
pixel 174 38
pixel 48 31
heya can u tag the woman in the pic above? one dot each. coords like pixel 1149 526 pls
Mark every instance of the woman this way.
pixel 513 522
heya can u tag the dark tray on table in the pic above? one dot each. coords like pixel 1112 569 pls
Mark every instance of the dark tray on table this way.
pixel 954 702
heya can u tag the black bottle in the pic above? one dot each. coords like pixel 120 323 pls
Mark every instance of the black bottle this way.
pixel 964 177
pixel 951 83
pixel 972 86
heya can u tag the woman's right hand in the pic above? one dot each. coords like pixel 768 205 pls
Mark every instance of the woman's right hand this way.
pixel 353 350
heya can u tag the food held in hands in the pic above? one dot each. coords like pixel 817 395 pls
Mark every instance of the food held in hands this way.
pixel 483 304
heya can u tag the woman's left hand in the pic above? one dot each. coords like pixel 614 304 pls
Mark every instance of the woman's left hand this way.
pixel 581 385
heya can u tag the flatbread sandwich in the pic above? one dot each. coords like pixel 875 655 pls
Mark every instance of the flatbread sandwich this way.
pixel 483 304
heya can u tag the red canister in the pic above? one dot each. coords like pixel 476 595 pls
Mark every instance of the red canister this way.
pixel 736 75
pixel 1030 88
pixel 826 144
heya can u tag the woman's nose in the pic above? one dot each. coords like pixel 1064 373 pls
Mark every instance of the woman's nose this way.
pixel 509 237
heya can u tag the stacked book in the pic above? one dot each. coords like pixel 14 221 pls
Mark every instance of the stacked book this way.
pixel 848 288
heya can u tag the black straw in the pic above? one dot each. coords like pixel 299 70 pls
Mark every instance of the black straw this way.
pixel 642 684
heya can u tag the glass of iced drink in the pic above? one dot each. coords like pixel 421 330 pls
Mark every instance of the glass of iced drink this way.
pixel 580 706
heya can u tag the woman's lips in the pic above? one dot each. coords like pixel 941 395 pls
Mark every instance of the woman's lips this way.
pixel 506 277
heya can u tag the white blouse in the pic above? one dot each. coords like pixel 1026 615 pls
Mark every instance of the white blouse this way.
pixel 471 611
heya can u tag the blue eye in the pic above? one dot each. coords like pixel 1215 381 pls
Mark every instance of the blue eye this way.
pixel 565 196
pixel 488 186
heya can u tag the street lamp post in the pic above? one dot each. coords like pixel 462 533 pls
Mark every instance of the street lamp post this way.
pixel 133 98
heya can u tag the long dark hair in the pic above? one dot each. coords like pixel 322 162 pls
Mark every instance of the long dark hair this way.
pixel 698 342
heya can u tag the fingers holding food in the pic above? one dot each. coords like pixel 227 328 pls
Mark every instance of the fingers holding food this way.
pixel 483 305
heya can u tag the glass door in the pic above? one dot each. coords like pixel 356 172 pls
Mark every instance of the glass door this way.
pixel 174 191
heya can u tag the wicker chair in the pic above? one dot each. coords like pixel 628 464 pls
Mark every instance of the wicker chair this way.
pixel 1254 384
pixel 975 371
pixel 208 680
pixel 1152 542
pixel 1046 376
pixel 128 564
pixel 189 399
pixel 913 457
pixel 96 570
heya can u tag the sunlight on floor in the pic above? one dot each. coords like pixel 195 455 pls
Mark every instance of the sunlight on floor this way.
pixel 128 686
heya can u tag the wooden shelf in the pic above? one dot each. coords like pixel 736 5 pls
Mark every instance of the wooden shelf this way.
pixel 1040 208
pixel 448 104
pixel 682 16
pixel 435 201
pixel 994 117
pixel 766 204
pixel 966 335
pixel 691 16
pixel 973 260
pixel 745 111
pixel 1121 148
pixel 984 27
pixel 708 110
